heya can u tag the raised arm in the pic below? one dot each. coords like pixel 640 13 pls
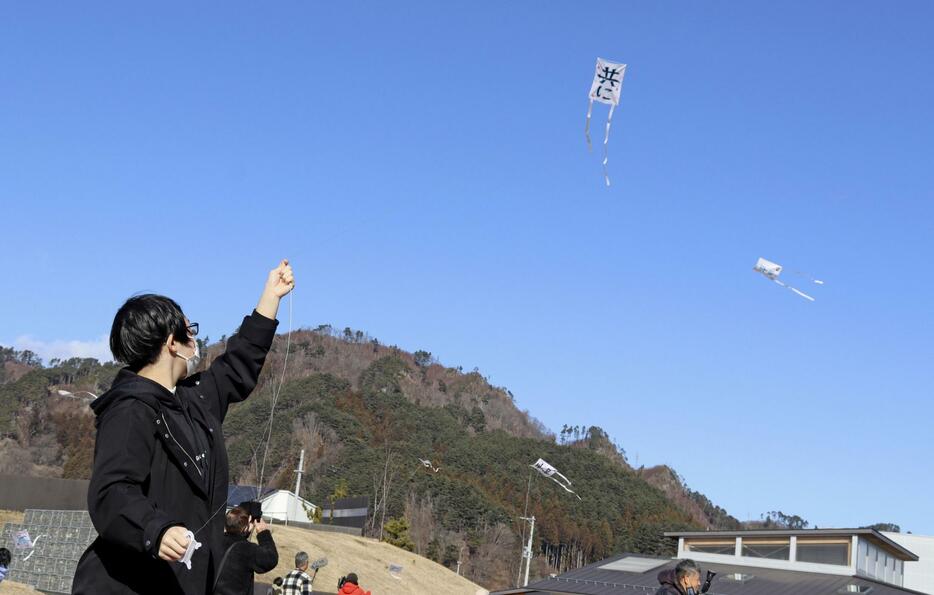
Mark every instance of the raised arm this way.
pixel 267 556
pixel 233 375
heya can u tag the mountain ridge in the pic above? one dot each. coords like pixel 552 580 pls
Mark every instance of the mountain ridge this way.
pixel 365 413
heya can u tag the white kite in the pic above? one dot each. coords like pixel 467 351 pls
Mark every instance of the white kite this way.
pixel 607 83
pixel 772 270
pixel 546 470
pixel 21 540
pixel 427 464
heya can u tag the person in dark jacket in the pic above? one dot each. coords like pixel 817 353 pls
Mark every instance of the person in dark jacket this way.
pixel 685 579
pixel 242 558
pixel 5 559
pixel 160 463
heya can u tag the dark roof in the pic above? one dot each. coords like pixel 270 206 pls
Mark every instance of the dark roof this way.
pixel 594 580
pixel 238 494
pixel 871 534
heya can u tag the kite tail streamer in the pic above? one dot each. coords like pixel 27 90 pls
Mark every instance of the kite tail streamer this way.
pixel 566 488
pixel 802 294
pixel 606 140
pixel 33 550
pixel 789 287
pixel 809 277
pixel 558 473
pixel 587 126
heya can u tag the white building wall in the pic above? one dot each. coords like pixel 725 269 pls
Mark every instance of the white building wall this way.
pixel 283 505
pixel 917 575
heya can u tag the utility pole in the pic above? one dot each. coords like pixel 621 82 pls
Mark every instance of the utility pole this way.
pixel 298 481
pixel 527 551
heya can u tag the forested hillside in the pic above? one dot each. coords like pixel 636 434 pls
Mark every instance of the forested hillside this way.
pixel 365 414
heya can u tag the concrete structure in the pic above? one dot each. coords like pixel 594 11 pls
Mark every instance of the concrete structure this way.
pixel 48 558
pixel 845 552
pixel 919 575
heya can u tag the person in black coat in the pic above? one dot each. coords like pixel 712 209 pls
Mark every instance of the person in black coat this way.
pixel 683 579
pixel 160 463
pixel 242 558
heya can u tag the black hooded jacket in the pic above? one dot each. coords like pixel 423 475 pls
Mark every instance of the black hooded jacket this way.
pixel 243 558
pixel 669 583
pixel 160 461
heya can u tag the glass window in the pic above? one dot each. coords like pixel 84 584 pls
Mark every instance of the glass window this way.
pixel 726 548
pixel 837 554
pixel 773 550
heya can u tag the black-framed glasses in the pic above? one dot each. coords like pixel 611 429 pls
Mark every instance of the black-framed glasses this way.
pixel 193 329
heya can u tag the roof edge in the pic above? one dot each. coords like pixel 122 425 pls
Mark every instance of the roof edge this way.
pixel 909 556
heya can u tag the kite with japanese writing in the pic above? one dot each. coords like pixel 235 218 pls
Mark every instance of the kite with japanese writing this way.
pixel 606 86
pixel 547 470
pixel 771 271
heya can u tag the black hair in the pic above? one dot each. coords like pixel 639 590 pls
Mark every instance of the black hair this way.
pixel 5 557
pixel 142 325
pixel 352 578
pixel 686 568
pixel 278 582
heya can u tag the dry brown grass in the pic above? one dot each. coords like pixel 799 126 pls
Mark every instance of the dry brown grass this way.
pixel 370 559
pixel 10 516
pixel 8 588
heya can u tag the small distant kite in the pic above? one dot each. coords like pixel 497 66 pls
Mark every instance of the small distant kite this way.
pixel 395 571
pixel 427 464
pixel 21 540
pixel 607 83
pixel 546 470
pixel 772 270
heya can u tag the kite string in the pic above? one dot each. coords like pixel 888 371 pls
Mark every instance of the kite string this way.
pixel 275 396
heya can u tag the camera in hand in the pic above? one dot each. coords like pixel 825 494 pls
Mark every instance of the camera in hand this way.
pixel 253 508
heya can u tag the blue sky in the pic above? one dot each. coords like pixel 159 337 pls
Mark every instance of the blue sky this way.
pixel 424 167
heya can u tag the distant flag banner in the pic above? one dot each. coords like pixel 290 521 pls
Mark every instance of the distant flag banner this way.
pixel 545 469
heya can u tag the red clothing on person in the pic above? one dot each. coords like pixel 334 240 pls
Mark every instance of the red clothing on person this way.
pixel 352 589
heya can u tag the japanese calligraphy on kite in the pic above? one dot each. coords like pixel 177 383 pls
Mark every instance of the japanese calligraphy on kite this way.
pixel 771 271
pixel 606 86
pixel 546 470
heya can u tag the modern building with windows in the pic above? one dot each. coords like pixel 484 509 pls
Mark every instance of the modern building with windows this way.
pixel 806 562
pixel 847 552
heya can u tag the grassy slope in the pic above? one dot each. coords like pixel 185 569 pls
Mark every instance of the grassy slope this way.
pixel 370 559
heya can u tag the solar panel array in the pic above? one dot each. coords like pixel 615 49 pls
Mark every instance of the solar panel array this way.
pixel 60 537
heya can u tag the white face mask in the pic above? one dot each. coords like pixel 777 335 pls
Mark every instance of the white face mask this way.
pixel 193 361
